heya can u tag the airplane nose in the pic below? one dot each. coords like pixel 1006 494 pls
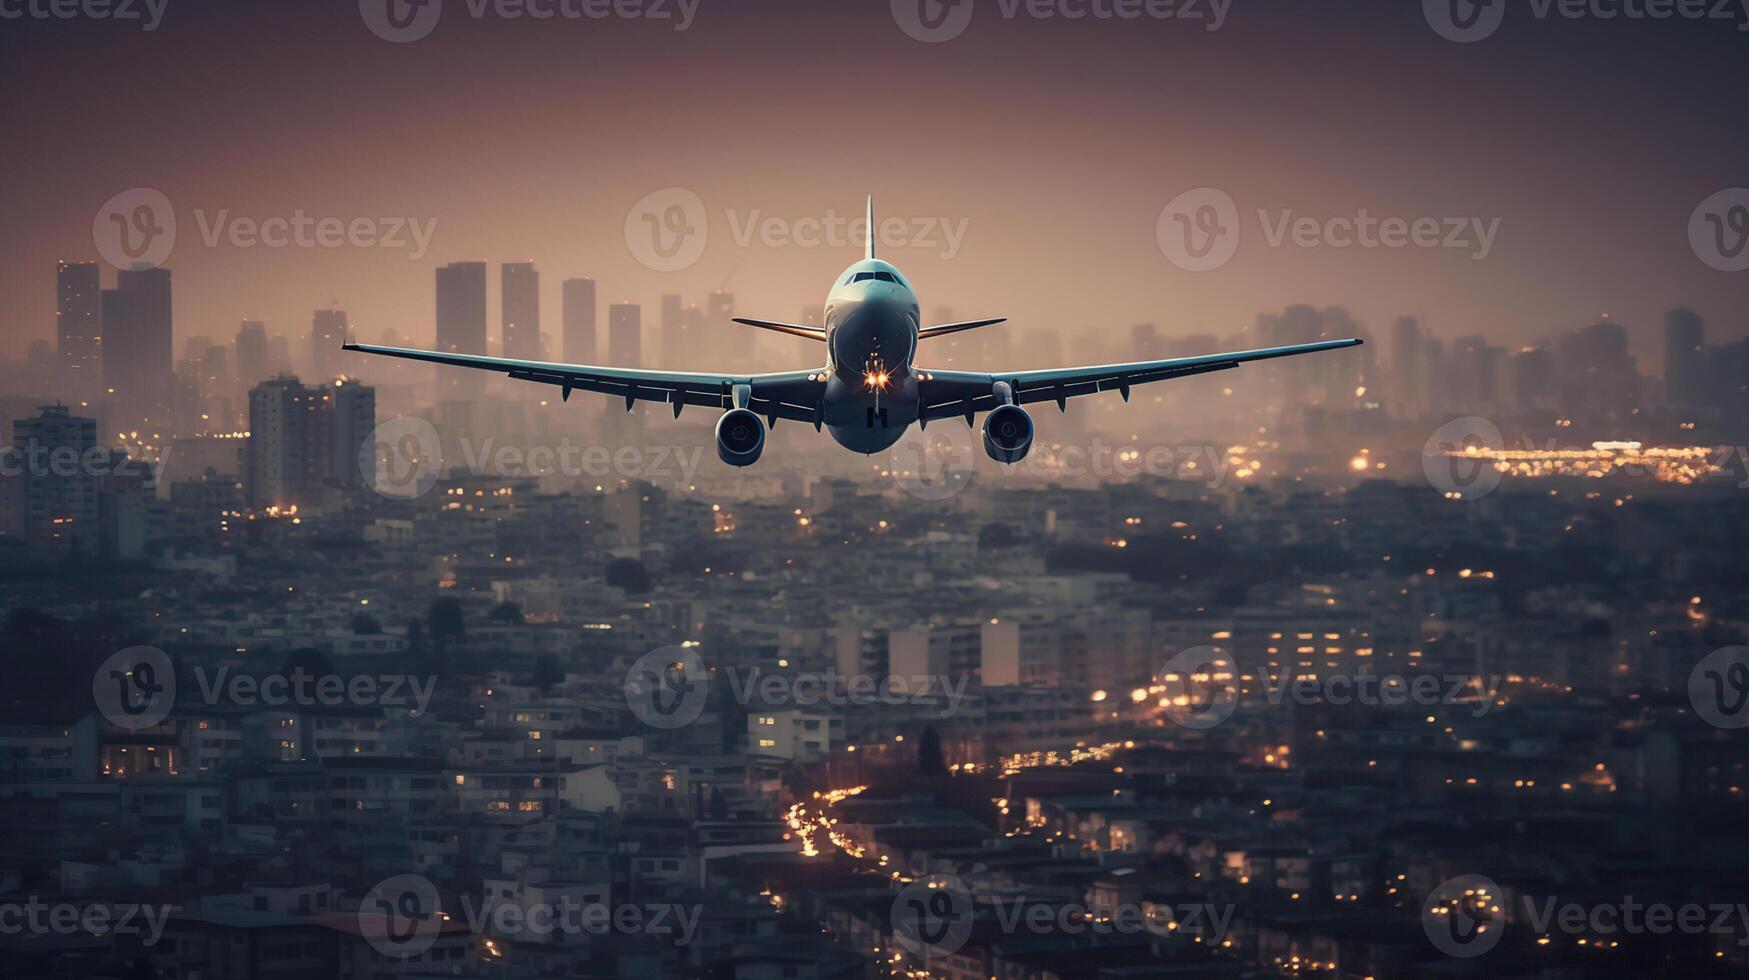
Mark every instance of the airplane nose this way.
pixel 879 329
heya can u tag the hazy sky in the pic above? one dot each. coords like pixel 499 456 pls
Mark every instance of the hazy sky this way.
pixel 1052 144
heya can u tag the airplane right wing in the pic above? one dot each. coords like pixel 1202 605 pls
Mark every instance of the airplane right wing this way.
pixel 946 394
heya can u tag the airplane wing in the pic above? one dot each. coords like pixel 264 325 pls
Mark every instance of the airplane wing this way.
pixel 789 395
pixel 946 394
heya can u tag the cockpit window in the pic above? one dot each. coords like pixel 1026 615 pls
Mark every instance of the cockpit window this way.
pixel 885 277
pixel 863 277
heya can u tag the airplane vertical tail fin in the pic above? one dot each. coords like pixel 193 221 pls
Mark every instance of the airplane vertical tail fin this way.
pixel 868 252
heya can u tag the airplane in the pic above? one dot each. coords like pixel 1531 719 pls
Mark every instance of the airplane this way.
pixel 871 388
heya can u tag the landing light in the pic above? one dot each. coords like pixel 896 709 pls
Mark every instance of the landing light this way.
pixel 876 379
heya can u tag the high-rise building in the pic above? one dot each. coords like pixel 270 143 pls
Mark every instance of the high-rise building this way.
pixel 138 355
pixel 279 359
pixel 55 505
pixel 1475 372
pixel 624 335
pixel 79 325
pixel 461 320
pixel 519 306
pixel 1533 378
pixel 578 297
pixel 1596 372
pixel 328 330
pixel 354 409
pixel 676 341
pixel 289 434
pixel 716 339
pixel 251 354
pixel 1145 342
pixel 1685 366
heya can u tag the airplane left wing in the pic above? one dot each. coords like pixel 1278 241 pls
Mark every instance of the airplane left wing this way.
pixel 788 395
pixel 946 394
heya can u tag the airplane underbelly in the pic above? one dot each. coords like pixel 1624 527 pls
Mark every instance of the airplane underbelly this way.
pixel 866 421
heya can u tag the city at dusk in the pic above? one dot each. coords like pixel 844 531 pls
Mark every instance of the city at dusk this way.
pixel 1022 489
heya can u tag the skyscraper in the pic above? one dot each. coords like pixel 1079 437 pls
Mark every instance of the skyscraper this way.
pixel 1533 378
pixel 79 324
pixel 288 455
pixel 519 307
pixel 1685 367
pixel 461 320
pixel 578 296
pixel 328 330
pixel 137 353
pixel 716 340
pixel 354 409
pixel 624 335
pixel 251 353
pixel 58 503
pixel 675 340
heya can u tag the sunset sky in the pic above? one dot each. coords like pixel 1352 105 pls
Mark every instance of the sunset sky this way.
pixel 1056 142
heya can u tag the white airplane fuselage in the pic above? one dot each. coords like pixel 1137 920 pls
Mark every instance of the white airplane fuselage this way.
pixel 871 345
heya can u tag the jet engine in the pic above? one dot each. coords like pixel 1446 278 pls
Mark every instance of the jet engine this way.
pixel 740 437
pixel 1008 434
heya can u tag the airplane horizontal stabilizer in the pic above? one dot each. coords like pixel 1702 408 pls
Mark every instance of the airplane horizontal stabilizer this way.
pixel 947 328
pixel 793 329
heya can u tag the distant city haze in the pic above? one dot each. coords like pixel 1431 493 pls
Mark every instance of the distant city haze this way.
pixel 1052 144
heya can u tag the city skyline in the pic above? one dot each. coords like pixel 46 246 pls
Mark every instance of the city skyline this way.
pixel 1235 109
